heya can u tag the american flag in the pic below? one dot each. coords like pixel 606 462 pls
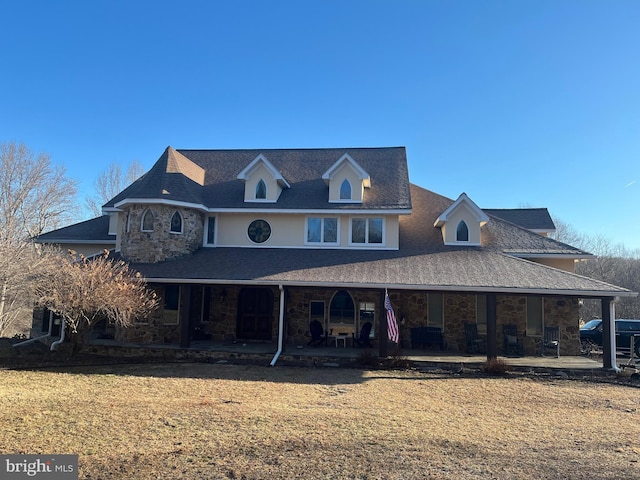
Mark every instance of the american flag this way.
pixel 392 325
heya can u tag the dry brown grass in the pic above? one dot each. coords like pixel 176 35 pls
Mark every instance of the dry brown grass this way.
pixel 198 421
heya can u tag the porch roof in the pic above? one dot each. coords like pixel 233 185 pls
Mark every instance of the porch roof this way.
pixel 470 270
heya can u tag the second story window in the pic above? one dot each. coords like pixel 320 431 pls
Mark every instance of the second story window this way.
pixel 176 223
pixel 322 230
pixel 345 190
pixel 462 232
pixel 210 231
pixel 147 221
pixel 367 231
pixel 261 190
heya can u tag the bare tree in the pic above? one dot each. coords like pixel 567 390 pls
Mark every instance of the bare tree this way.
pixel 566 233
pixel 35 196
pixel 110 183
pixel 85 291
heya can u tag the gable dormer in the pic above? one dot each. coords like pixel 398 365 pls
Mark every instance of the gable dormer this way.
pixel 461 222
pixel 347 181
pixel 262 181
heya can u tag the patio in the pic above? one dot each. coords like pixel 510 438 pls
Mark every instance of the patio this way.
pixel 340 356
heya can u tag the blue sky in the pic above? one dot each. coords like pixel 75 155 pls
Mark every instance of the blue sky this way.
pixel 516 103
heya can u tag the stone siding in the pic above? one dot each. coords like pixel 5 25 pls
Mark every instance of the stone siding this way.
pixel 160 244
pixel 411 310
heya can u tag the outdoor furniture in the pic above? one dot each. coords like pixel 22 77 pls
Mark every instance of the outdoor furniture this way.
pixel 317 334
pixel 551 340
pixel 475 343
pixel 512 342
pixel 427 336
pixel 363 339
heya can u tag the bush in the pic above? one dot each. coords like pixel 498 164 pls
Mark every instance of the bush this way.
pixel 496 366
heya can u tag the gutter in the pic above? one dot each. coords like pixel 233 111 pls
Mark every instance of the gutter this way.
pixel 55 344
pixel 280 327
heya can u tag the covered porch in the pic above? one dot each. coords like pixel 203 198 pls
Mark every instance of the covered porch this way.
pixel 275 319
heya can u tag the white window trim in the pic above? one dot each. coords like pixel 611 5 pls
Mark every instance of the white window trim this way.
pixel 366 232
pixel 206 231
pixel 181 223
pixel 321 242
pixel 266 193
pixel 144 214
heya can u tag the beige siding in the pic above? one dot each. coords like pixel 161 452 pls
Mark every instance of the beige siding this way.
pixel 450 227
pixel 289 230
pixel 357 188
pixel 261 173
pixel 566 264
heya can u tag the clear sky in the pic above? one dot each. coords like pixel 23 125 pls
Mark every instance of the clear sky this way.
pixel 516 103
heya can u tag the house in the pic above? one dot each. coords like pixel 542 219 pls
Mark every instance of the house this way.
pixel 252 245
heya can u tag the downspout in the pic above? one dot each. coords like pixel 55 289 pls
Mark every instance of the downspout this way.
pixel 280 327
pixel 33 340
pixel 612 335
pixel 55 344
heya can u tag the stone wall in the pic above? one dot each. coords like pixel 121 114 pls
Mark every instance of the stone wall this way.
pixel 411 310
pixel 160 244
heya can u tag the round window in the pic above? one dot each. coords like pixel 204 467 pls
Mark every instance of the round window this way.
pixel 259 231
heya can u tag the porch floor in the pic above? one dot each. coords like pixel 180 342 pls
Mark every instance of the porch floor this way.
pixel 342 356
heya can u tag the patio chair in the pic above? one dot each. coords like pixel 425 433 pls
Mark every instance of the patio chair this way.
pixel 318 335
pixel 551 340
pixel 475 343
pixel 512 342
pixel 363 339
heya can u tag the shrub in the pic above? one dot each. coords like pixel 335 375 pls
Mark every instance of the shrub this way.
pixel 496 366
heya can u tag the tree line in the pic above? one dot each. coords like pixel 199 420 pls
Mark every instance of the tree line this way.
pixel 37 196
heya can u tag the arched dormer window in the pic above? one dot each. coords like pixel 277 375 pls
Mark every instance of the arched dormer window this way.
pixel 261 190
pixel 345 190
pixel 147 221
pixel 176 223
pixel 462 232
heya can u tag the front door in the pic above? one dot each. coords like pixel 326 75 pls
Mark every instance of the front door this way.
pixel 255 314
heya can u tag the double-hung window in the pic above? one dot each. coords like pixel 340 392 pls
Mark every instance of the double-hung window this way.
pixel 322 230
pixel 367 231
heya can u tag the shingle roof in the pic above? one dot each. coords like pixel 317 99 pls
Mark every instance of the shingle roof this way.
pixel 422 262
pixel 303 169
pixel 95 230
pixel 530 218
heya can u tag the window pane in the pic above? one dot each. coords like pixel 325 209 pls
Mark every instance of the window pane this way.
pixel 345 190
pixel 342 309
pixel 462 233
pixel 261 189
pixel 481 313
pixel 147 221
pixel 375 230
pixel 331 230
pixel 435 310
pixel 211 230
pixel 534 315
pixel 358 228
pixel 176 223
pixel 314 226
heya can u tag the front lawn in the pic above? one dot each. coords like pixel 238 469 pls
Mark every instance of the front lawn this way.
pixel 201 421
